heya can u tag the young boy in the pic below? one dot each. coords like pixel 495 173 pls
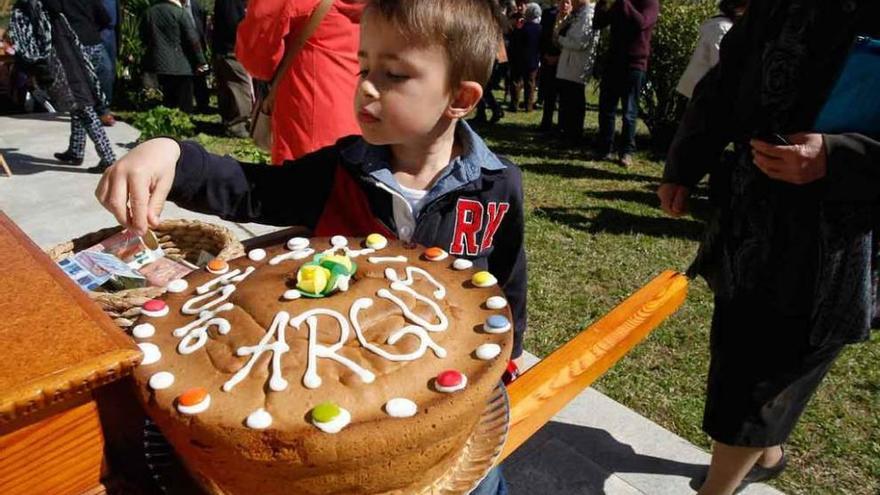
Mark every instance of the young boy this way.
pixel 418 172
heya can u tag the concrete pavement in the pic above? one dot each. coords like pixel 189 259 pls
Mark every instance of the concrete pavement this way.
pixel 594 445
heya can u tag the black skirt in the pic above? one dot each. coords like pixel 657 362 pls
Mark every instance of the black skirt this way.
pixel 763 372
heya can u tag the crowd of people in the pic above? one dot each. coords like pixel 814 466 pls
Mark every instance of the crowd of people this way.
pixel 790 253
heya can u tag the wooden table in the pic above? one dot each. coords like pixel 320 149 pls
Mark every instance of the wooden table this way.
pixel 59 348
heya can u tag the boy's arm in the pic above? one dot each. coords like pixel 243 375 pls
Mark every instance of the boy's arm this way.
pixel 508 261
pixel 290 194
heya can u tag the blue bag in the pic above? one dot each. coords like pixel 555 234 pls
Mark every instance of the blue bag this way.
pixel 854 102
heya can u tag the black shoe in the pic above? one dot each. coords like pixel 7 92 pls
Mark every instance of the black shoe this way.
pixel 69 158
pixel 100 167
pixel 496 116
pixel 757 474
pixel 626 160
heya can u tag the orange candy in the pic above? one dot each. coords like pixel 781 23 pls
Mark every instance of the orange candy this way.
pixel 216 265
pixel 192 396
pixel 434 252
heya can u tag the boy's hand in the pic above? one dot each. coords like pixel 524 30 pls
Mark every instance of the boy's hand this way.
pixel 673 198
pixel 802 162
pixel 135 187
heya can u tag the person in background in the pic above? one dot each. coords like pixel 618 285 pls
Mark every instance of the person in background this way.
pixel 88 18
pixel 578 40
pixel 312 102
pixel 41 32
pixel 525 58
pixel 200 79
pixel 110 36
pixel 705 54
pixel 174 52
pixel 499 69
pixel 550 19
pixel 791 248
pixel 632 24
pixel 235 95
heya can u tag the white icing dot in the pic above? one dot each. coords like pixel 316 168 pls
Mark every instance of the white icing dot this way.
pixel 196 408
pixel 297 243
pixel 161 380
pixel 496 302
pixel 257 254
pixel 462 264
pixel 291 294
pixel 454 388
pixel 336 424
pixel 176 286
pixel 143 331
pixel 488 351
pixel 400 407
pixel 338 241
pixel 259 419
pixel 152 354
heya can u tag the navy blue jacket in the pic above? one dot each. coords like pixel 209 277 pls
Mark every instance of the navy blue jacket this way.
pixel 479 218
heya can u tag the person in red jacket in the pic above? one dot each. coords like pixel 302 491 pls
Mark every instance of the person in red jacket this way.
pixel 313 102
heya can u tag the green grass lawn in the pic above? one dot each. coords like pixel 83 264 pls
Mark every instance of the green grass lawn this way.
pixel 594 235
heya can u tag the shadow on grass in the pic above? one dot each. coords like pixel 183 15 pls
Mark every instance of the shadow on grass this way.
pixel 571 171
pixel 614 221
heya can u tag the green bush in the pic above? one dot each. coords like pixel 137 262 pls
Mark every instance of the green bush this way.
pixel 673 42
pixel 163 121
pixel 250 153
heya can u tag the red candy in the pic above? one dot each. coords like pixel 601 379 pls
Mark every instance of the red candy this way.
pixel 154 305
pixel 449 378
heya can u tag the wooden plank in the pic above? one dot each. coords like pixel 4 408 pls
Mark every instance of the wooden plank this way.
pixel 542 391
pixel 61 455
pixel 5 166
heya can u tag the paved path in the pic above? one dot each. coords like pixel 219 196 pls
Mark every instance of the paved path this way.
pixel 594 446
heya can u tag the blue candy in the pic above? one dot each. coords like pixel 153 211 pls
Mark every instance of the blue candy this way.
pixel 497 321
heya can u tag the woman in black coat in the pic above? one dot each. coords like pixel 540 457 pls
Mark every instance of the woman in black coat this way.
pixel 43 34
pixel 791 252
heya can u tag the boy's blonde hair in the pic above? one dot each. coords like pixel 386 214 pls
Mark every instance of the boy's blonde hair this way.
pixel 469 31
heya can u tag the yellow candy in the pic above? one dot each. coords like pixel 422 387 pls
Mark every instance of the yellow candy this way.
pixel 483 279
pixel 312 279
pixel 376 241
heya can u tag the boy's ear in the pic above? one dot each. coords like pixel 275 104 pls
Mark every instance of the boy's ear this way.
pixel 464 100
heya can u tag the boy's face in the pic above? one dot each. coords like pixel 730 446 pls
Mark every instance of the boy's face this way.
pixel 403 93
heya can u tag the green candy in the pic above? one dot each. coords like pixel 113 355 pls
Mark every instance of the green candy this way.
pixel 325 412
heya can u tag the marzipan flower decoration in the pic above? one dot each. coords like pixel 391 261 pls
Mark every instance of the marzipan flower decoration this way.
pixel 325 274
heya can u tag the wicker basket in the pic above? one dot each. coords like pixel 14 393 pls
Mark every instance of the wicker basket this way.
pixel 180 239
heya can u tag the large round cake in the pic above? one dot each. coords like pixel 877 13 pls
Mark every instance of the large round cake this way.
pixel 355 366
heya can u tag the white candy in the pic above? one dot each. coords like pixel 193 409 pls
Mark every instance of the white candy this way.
pixel 257 254
pixel 488 351
pixel 259 419
pixel 152 354
pixel 143 331
pixel 338 241
pixel 291 294
pixel 297 243
pixel 400 407
pixel 196 408
pixel 161 380
pixel 462 264
pixel 176 286
pixel 336 424
pixel 496 302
